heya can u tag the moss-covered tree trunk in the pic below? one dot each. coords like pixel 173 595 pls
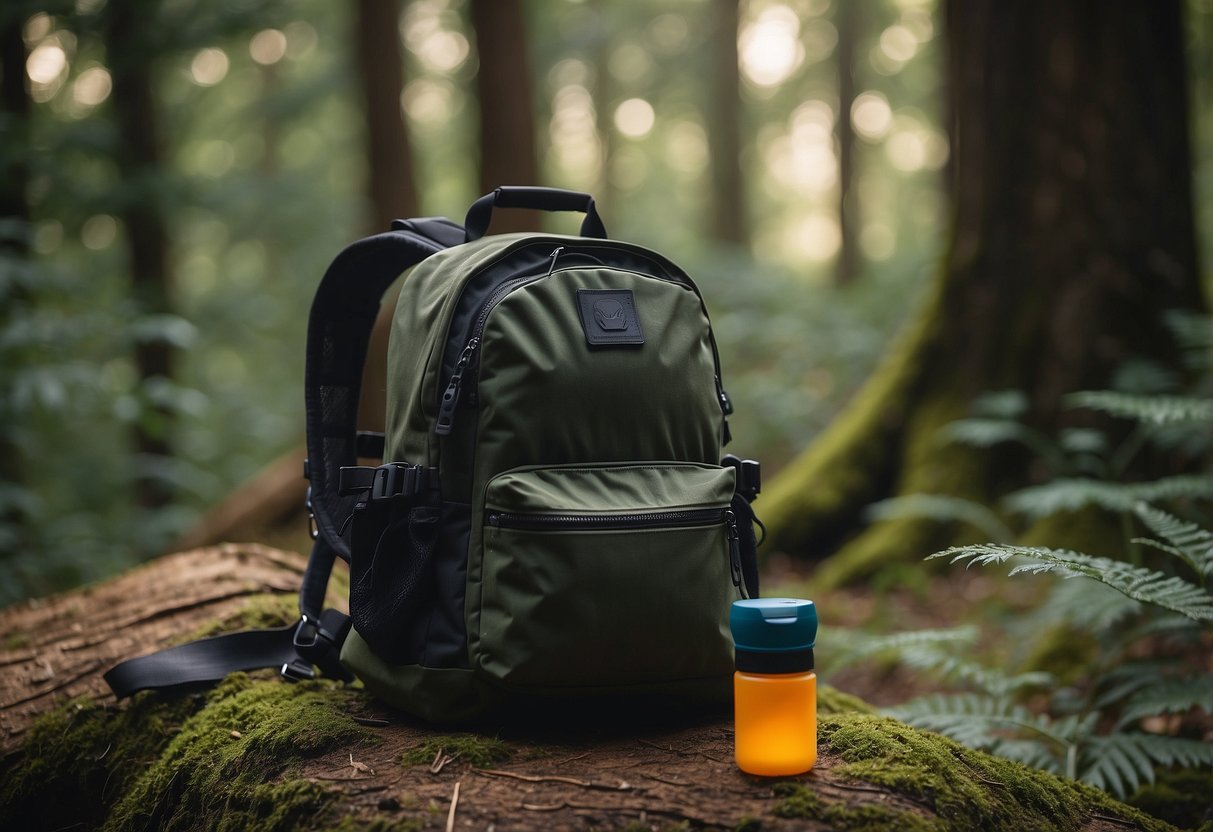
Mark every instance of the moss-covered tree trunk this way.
pixel 1073 234
pixel 256 753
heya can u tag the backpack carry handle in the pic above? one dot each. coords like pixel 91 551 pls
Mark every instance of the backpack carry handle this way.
pixel 540 199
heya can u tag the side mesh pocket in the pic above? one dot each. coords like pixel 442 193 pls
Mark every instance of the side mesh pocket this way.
pixel 391 575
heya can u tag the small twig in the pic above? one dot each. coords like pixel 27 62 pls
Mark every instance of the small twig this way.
pixel 441 759
pixel 328 779
pixel 450 816
pixel 103 753
pixel 1109 819
pixel 555 778
pixel 681 753
pixel 857 788
pixel 540 807
pixel 372 722
pixel 663 780
pixel 574 759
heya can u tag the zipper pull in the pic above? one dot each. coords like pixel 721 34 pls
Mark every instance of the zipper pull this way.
pixel 450 397
pixel 554 255
pixel 734 536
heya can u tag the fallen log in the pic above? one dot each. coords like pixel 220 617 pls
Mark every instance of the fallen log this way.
pixel 257 753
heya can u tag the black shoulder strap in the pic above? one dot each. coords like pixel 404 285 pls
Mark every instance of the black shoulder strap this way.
pixel 339 328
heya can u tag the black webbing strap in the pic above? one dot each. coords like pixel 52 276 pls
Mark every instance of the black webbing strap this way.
pixel 293 650
pixel 339 328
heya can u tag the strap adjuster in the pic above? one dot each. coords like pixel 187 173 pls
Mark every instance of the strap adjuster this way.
pixel 394 479
pixel 390 480
pixel 318 643
pixel 298 671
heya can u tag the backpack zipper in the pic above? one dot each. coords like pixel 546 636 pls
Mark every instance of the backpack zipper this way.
pixel 689 518
pixel 450 396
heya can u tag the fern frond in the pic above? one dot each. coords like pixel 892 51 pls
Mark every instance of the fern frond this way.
pixel 1169 696
pixel 1136 582
pixel 984 433
pixel 979 432
pixel 943 508
pixel 1083 441
pixel 1001 404
pixel 1029 752
pixel 1188 541
pixel 990 680
pixel 973 719
pixel 1071 494
pixel 1145 409
pixel 856 646
pixel 1119 763
pixel 1086 606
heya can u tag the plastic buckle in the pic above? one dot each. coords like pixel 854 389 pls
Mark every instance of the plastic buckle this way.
pixel 394 479
pixel 298 671
pixel 748 474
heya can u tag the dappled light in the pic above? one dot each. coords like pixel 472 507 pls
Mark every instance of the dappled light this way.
pixel 954 255
pixel 209 66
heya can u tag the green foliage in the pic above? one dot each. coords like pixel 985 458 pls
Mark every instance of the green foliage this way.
pixel 1139 583
pixel 1094 715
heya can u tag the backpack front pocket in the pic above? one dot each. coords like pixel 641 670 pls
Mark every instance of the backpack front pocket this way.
pixel 604 576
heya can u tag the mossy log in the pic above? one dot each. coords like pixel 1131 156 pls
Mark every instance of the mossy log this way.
pixel 256 753
pixel 1073 234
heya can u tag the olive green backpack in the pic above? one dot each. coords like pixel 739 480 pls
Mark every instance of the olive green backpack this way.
pixel 552 520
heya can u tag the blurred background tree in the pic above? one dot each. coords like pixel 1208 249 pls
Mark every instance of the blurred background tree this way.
pixel 792 154
pixel 1073 236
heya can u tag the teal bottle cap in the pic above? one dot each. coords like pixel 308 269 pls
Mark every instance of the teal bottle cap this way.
pixel 773 625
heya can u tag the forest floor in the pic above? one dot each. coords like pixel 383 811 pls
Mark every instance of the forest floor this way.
pixel 383 770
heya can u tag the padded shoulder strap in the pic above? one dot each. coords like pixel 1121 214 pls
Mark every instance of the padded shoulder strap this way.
pixel 339 328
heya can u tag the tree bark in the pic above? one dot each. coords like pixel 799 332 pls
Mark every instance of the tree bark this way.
pixel 729 220
pixel 1073 235
pixel 140 159
pixel 391 183
pixel 846 263
pixel 508 153
pixel 257 753
pixel 14 248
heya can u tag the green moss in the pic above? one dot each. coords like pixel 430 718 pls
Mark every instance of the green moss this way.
pixel 258 612
pixel 16 641
pixel 830 700
pixel 799 802
pixel 748 824
pixel 89 752
pixel 213 774
pixel 1179 797
pixel 465 748
pixel 966 789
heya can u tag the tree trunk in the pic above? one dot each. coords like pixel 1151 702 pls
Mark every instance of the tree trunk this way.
pixel 1073 234
pixel 14 253
pixel 729 221
pixel 391 185
pixel 140 159
pixel 846 263
pixel 257 753
pixel 507 108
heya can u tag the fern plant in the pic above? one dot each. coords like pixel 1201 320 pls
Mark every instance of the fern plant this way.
pixel 1100 741
pixel 1140 704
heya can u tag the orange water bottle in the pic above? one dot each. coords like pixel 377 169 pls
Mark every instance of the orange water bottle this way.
pixel 775 688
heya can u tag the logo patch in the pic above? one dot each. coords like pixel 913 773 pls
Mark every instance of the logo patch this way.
pixel 608 317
